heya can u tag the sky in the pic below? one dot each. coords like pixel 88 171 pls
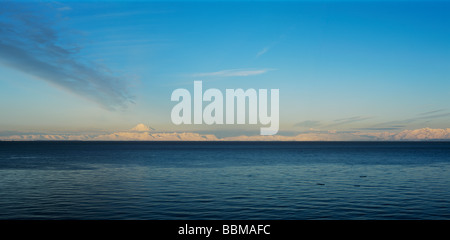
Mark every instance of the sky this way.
pixel 340 66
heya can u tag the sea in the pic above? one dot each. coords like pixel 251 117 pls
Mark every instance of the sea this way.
pixel 76 180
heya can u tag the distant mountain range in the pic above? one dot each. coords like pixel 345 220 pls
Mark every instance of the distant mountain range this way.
pixel 143 132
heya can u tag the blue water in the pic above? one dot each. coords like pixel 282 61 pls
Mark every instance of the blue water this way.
pixel 220 180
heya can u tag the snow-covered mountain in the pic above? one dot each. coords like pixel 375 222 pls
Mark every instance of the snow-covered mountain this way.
pixel 142 128
pixel 145 133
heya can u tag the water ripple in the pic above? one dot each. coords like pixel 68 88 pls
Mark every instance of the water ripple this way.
pixel 290 181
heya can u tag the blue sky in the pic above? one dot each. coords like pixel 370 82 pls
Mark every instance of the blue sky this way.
pixel 346 66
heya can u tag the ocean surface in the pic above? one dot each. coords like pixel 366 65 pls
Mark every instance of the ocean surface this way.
pixel 224 180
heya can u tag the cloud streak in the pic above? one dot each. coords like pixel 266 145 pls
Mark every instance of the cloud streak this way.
pixel 420 117
pixel 233 73
pixel 308 124
pixel 267 48
pixel 431 112
pixel 343 121
pixel 31 42
pixel 264 50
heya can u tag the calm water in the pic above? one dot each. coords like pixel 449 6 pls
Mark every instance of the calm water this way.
pixel 145 180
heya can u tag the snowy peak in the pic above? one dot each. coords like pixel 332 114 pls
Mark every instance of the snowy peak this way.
pixel 141 128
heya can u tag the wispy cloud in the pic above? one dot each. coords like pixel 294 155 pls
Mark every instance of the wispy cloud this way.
pixel 431 112
pixel 380 128
pixel 65 8
pixel 432 116
pixel 420 117
pixel 31 42
pixel 233 73
pixel 307 124
pixel 264 50
pixel 270 46
pixel 344 121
